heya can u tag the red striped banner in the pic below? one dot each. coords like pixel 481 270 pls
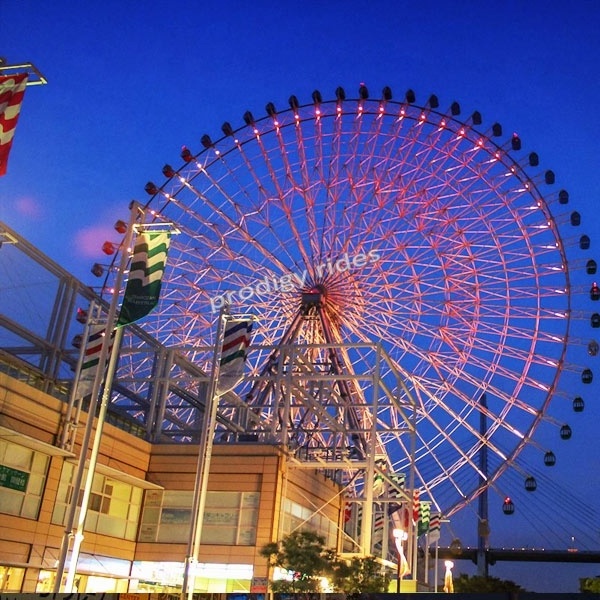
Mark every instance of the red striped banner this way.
pixel 12 91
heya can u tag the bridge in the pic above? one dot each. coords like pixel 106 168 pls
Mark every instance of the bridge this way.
pixel 493 555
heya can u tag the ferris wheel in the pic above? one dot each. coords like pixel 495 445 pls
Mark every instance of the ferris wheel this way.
pixel 390 221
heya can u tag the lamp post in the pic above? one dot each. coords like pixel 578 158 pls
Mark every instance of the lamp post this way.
pixel 448 582
pixel 399 536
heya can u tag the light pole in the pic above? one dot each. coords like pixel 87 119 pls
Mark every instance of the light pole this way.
pixel 399 536
pixel 448 582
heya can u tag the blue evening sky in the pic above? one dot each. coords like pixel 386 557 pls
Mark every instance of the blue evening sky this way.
pixel 131 82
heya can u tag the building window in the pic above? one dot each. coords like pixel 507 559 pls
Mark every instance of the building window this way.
pixel 113 509
pixel 165 578
pixel 11 579
pixel 230 518
pixel 296 516
pixel 23 474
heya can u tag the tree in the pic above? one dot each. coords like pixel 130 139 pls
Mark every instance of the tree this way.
pixel 589 585
pixel 304 555
pixel 483 585
pixel 362 574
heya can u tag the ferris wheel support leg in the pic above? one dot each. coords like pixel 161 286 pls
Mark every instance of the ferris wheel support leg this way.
pixel 257 394
pixel 367 525
pixel 339 368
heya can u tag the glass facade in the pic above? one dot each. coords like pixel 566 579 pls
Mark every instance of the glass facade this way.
pixel 296 516
pixel 11 579
pixel 114 506
pixel 166 577
pixel 23 473
pixel 230 518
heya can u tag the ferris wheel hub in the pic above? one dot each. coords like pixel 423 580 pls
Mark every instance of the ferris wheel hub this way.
pixel 313 299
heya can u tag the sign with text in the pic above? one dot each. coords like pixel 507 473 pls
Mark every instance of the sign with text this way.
pixel 13 479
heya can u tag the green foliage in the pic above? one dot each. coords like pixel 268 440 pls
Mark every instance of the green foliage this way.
pixel 362 574
pixel 589 585
pixel 484 585
pixel 304 554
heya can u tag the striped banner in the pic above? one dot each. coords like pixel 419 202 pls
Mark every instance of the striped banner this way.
pixel 435 523
pixel 145 276
pixel 398 480
pixel 424 517
pixel 378 479
pixel 378 523
pixel 91 359
pixel 12 92
pixel 347 511
pixel 233 353
pixel 354 526
pixel 416 506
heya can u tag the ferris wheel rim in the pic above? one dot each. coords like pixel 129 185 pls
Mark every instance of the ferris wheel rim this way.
pixel 254 130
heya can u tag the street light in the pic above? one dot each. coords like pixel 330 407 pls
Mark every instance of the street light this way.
pixel 399 536
pixel 448 582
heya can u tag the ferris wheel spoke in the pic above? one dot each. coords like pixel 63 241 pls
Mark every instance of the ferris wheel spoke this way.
pixel 423 476
pixel 446 375
pixel 285 200
pixel 219 212
pixel 302 187
pixel 270 211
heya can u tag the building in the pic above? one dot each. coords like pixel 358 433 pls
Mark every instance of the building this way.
pixel 138 523
pixel 267 477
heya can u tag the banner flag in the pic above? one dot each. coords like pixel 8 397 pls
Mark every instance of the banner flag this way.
pixel 416 506
pixel 435 521
pixel 12 92
pixel 347 511
pixel 91 359
pixel 378 479
pixel 358 519
pixel 236 340
pixel 378 522
pixel 424 517
pixel 398 479
pixel 145 276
